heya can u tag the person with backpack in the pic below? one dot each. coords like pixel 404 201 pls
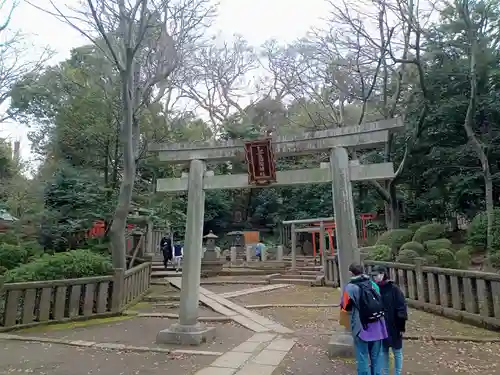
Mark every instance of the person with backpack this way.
pixel 166 249
pixel 361 303
pixel 395 315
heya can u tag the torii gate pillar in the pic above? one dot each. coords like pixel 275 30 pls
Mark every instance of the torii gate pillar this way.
pixel 341 343
pixel 188 331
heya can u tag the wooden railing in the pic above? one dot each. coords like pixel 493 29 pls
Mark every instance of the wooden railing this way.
pixel 136 282
pixel 470 296
pixel 33 303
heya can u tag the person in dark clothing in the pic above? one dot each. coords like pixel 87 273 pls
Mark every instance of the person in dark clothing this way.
pixel 396 315
pixel 166 249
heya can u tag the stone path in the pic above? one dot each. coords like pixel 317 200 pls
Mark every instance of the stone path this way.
pixel 259 355
pixel 239 314
pixel 244 292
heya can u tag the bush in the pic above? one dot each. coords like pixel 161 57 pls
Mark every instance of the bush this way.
pixel 395 238
pixel 440 243
pixel 407 256
pixel 476 232
pixel 494 260
pixel 429 232
pixel 12 256
pixel 8 237
pixel 33 248
pixel 470 249
pixel 416 226
pixel 431 260
pixel 415 246
pixel 463 257
pixel 381 253
pixel 445 258
pixel 67 265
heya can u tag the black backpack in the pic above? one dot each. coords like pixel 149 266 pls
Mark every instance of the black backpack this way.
pixel 369 304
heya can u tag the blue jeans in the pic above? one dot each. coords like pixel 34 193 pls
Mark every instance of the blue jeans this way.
pixel 398 361
pixel 368 352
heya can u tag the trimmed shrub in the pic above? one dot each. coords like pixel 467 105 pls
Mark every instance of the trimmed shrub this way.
pixel 415 246
pixel 463 257
pixel 381 253
pixel 445 258
pixel 67 265
pixel 429 232
pixel 470 249
pixel 494 260
pixel 431 260
pixel 440 243
pixel 476 232
pixel 395 238
pixel 407 256
pixel 416 226
pixel 12 256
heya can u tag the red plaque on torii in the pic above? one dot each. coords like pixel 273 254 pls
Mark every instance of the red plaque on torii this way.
pixel 261 162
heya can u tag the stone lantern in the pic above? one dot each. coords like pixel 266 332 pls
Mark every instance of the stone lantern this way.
pixel 210 264
pixel 210 241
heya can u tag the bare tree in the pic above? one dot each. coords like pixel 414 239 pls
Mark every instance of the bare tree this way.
pixel 218 78
pixel 394 33
pixel 146 40
pixel 14 62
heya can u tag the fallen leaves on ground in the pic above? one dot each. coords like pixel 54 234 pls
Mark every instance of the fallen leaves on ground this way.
pixel 421 323
pixel 292 294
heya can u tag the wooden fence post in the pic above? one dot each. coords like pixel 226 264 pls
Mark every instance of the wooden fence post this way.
pixel 118 290
pixel 419 278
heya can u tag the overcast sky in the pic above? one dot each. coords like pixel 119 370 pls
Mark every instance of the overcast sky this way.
pixel 256 20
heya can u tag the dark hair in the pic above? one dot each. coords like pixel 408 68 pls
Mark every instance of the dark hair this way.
pixel 381 270
pixel 356 269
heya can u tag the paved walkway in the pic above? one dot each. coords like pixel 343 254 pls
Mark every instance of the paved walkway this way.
pixel 241 315
pixel 259 355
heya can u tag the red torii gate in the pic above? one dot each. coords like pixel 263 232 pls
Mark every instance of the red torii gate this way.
pixel 330 229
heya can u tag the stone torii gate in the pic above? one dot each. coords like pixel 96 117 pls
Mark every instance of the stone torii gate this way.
pixel 340 172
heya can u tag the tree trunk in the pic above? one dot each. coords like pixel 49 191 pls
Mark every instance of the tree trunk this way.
pixel 490 213
pixel 393 206
pixel 117 231
pixel 476 143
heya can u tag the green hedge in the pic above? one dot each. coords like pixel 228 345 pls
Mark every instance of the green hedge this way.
pixel 494 260
pixel 381 253
pixel 440 243
pixel 429 232
pixel 407 256
pixel 445 258
pixel 414 246
pixel 416 226
pixel 395 238
pixel 463 257
pixel 12 256
pixel 67 265
pixel 476 232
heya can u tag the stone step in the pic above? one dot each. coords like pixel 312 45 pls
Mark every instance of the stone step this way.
pixel 309 268
pixel 311 272
pixel 307 282
pixel 296 276
pixel 162 274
